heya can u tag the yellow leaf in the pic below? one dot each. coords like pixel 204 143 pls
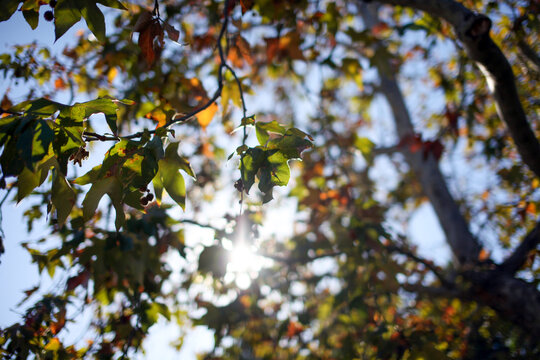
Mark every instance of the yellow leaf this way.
pixel 53 345
pixel 205 117
pixel 112 74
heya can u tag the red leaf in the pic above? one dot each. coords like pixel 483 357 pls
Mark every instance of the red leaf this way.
pixel 80 279
pixel 246 5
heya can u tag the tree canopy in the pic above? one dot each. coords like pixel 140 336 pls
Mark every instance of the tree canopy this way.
pixel 170 115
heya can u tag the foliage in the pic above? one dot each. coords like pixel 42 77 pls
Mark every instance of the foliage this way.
pixel 349 282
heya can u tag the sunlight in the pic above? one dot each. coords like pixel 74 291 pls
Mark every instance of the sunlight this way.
pixel 244 265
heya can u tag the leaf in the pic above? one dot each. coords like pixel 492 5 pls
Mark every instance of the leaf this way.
pixel 26 183
pixel 365 146
pixel 40 107
pixel 63 197
pixel 213 259
pixel 53 345
pixel 115 4
pixel 8 8
pixel 250 164
pixel 32 18
pixel 143 21
pixel 94 19
pixel 158 187
pixel 151 41
pixel 110 186
pixel 172 33
pixel 262 135
pixel 106 106
pixel 173 182
pixel 66 14
pixel 205 116
pixel 291 144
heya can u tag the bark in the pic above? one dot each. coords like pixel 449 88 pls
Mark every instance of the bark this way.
pixel 472 30
pixel 512 298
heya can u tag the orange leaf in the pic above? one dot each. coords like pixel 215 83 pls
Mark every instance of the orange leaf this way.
pixel 294 328
pixel 59 84
pixel 380 28
pixel 205 117
pixel 483 255
pixel 159 116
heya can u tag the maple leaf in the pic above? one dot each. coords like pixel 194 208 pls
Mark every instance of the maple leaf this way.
pixel 205 117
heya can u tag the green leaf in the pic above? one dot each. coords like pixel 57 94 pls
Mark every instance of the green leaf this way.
pixel 66 14
pixel 280 169
pixel 43 137
pixel 250 164
pixel 272 126
pixel 109 185
pixel 41 107
pixel 158 187
pixel 8 8
pixel 262 135
pixel 365 146
pixel 27 182
pixel 291 144
pixel 173 182
pixel 112 4
pixel 94 19
pixel 102 105
pixel 171 154
pixel 62 196
pixel 90 177
pixel 32 18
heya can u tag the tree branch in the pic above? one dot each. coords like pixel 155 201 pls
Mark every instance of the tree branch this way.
pixel 515 261
pixel 428 264
pixel 464 246
pixel 472 30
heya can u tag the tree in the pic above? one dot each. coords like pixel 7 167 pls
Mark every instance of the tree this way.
pixel 174 80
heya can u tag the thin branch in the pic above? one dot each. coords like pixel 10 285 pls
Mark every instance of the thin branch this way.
pixel 193 222
pixel 303 259
pixel 515 261
pixel 433 291
pixel 427 263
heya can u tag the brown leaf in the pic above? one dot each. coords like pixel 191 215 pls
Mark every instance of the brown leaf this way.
pixel 146 43
pixel 144 20
pixel 151 42
pixel 272 48
pixel 172 33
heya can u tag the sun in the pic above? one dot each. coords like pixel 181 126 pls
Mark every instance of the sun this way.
pixel 244 265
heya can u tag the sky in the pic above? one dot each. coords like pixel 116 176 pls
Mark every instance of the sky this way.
pixel 18 274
